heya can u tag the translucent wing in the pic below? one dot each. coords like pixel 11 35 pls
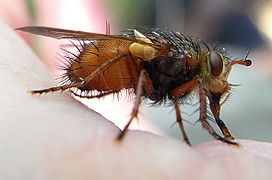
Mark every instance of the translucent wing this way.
pixel 77 35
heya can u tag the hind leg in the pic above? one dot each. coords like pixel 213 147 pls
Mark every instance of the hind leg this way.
pixel 99 70
pixel 137 102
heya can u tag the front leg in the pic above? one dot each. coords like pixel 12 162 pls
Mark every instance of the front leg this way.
pixel 203 117
pixel 215 105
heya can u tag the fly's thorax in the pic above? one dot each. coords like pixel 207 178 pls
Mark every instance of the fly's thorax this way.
pixel 214 71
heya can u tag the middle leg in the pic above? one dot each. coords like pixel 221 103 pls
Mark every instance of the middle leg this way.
pixel 180 123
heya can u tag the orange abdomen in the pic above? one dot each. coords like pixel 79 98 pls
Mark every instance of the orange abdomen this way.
pixel 122 74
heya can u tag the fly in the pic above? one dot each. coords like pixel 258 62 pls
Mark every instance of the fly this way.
pixel 160 65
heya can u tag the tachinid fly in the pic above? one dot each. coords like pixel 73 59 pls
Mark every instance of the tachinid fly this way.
pixel 160 65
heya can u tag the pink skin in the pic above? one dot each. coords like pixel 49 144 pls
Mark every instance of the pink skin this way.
pixel 57 137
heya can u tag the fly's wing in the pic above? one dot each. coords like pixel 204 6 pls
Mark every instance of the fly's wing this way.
pixel 77 35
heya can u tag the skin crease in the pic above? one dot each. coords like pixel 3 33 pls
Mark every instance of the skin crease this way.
pixel 56 137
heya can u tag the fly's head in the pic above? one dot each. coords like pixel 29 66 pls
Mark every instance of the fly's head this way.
pixel 215 69
pixel 214 72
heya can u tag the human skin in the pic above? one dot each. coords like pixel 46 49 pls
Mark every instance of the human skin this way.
pixel 56 137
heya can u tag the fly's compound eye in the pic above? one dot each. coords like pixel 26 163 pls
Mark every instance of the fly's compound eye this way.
pixel 216 63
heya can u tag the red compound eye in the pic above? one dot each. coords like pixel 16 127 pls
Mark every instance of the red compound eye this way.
pixel 216 63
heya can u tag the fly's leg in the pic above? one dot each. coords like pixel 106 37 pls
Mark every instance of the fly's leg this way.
pixel 183 89
pixel 180 123
pixel 224 129
pixel 215 108
pixel 137 102
pixel 96 72
pixel 177 93
pixel 203 117
pixel 57 88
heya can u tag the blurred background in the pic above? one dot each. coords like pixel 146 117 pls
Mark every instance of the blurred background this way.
pixel 237 25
